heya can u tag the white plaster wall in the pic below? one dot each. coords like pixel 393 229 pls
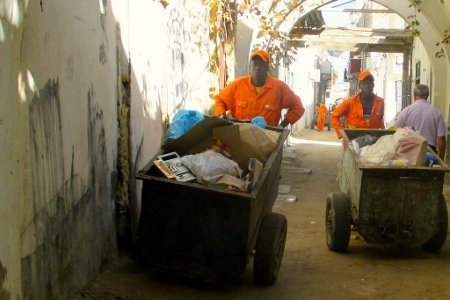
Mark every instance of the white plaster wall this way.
pixel 71 44
pixel 13 163
pixel 304 76
pixel 76 51
pixel 393 73
pixel 420 55
pixel 168 51
pixel 144 25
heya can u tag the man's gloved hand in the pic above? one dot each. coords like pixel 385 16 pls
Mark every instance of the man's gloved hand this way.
pixel 223 116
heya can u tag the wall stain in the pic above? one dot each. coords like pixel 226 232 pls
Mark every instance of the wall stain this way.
pixel 4 294
pixel 123 213
pixel 73 220
pixel 69 67
pixel 103 58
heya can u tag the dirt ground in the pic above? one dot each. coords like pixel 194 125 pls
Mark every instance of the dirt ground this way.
pixel 308 270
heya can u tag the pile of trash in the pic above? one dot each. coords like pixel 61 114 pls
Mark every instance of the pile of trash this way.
pixel 215 151
pixel 404 148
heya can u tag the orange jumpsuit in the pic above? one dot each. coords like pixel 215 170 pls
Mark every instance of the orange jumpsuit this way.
pixel 321 113
pixel 275 95
pixel 352 110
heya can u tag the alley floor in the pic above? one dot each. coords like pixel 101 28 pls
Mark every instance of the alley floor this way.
pixel 308 270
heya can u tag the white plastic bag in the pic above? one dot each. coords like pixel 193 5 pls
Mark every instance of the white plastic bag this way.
pixel 210 166
pixel 380 153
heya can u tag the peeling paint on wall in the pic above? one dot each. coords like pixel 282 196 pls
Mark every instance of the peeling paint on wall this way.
pixel 4 294
pixel 72 219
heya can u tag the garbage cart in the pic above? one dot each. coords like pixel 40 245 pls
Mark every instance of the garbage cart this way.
pixel 386 204
pixel 202 232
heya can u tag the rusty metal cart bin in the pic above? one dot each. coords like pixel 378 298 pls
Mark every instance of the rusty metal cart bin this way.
pixel 200 232
pixel 386 205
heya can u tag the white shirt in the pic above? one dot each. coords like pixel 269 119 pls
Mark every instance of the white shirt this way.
pixel 425 118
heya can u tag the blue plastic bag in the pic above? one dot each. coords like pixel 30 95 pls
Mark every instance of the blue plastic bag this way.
pixel 259 121
pixel 430 159
pixel 183 120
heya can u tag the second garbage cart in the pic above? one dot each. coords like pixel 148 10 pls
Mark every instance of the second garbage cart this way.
pixel 386 204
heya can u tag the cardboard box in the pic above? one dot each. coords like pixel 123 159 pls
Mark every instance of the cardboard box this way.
pixel 256 142
pixel 247 141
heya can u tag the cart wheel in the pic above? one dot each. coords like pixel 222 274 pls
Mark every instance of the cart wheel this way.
pixel 437 241
pixel 269 248
pixel 338 222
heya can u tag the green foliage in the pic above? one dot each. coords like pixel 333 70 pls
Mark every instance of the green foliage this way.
pixel 413 18
pixel 274 41
pixel 440 53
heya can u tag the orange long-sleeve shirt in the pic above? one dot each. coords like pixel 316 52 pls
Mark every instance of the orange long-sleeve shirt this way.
pixel 352 109
pixel 241 98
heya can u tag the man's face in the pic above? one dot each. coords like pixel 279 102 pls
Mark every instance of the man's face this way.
pixel 258 68
pixel 366 86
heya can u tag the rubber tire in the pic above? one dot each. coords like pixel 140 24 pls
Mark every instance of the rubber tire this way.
pixel 437 241
pixel 269 248
pixel 338 222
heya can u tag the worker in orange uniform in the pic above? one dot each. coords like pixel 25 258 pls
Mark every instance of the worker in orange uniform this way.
pixel 259 94
pixel 321 114
pixel 364 110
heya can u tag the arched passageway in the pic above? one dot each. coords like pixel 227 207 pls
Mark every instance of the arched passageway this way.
pixel 433 17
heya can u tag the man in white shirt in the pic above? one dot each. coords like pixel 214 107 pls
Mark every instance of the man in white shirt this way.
pixel 426 119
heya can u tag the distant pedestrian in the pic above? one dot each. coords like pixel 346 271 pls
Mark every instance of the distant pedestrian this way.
pixel 364 110
pixel 426 119
pixel 321 115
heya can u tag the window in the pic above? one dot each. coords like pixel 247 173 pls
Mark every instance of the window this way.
pixel 418 72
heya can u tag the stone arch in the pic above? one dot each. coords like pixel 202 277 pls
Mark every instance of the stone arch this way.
pixel 434 18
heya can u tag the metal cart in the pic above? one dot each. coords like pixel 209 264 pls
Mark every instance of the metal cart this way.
pixel 206 233
pixel 386 205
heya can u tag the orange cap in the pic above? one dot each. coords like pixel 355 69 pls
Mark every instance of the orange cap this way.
pixel 261 53
pixel 364 75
